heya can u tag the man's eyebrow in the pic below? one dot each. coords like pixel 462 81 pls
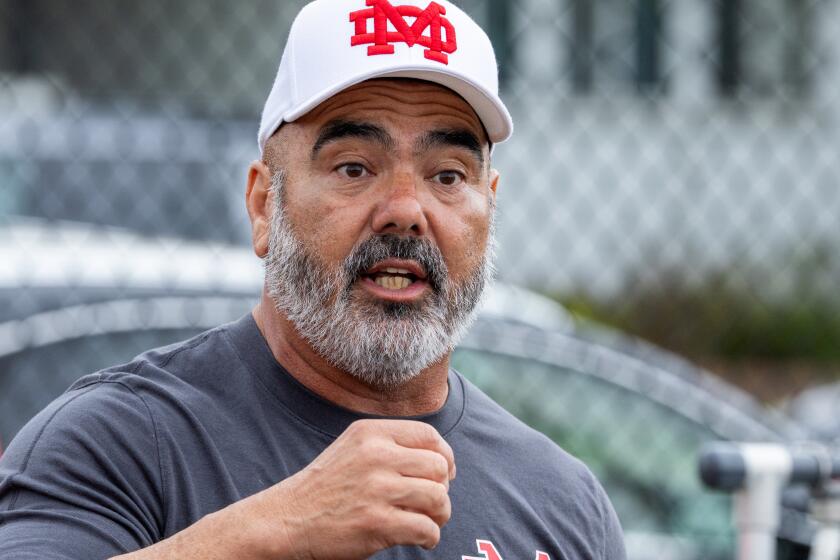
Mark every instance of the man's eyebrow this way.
pixel 460 138
pixel 339 129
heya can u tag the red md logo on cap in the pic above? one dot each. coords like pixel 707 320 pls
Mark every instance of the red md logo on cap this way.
pixel 380 41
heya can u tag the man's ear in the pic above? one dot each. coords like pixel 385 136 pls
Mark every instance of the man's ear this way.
pixel 494 180
pixel 258 201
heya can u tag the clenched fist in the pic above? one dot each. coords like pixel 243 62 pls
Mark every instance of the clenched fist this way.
pixel 382 483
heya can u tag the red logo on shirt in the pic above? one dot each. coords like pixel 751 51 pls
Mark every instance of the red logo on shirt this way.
pixel 488 552
pixel 381 40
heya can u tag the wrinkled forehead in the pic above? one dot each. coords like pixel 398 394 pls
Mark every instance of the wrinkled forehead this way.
pixel 437 114
pixel 424 101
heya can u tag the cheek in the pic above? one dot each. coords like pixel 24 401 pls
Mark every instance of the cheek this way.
pixel 476 247
pixel 465 242
pixel 329 229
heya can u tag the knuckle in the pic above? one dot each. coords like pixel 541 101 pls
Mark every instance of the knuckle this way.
pixel 441 468
pixel 445 517
pixel 427 432
pixel 414 430
pixel 359 427
pixel 369 447
pixel 441 496
pixel 382 487
pixel 441 502
pixel 383 452
pixel 446 511
pixel 370 476
pixel 429 535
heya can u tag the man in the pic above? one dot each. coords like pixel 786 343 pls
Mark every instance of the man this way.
pixel 327 423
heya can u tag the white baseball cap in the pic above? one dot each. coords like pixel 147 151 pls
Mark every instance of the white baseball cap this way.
pixel 335 44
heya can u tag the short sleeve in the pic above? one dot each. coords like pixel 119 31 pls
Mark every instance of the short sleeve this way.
pixel 82 479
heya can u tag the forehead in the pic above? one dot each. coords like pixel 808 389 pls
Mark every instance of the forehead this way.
pixel 406 102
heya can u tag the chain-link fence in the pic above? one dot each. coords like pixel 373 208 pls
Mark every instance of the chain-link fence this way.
pixel 672 174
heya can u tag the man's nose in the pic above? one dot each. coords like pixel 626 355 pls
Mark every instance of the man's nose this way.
pixel 399 210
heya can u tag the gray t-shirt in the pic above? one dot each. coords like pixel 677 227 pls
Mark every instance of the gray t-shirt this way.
pixel 134 454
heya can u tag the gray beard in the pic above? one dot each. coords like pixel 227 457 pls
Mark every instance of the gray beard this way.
pixel 383 344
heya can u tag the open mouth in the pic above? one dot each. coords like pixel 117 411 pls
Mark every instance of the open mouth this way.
pixel 397 276
pixel 394 278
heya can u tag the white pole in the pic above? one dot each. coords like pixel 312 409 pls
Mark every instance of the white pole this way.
pixel 825 511
pixel 758 505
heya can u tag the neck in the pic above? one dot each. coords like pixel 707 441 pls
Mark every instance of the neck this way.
pixel 423 394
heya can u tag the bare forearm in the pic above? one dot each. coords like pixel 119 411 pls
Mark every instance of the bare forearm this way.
pixel 222 535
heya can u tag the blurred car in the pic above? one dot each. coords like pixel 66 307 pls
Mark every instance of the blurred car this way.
pixel 75 298
pixel 163 173
pixel 815 409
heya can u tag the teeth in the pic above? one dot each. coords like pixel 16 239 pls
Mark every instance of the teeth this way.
pixel 397 271
pixel 393 282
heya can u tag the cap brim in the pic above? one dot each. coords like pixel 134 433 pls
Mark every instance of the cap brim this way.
pixel 489 107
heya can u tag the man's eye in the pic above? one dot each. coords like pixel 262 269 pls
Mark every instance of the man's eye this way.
pixel 353 170
pixel 449 178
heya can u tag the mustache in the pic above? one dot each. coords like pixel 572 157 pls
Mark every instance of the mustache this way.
pixel 381 247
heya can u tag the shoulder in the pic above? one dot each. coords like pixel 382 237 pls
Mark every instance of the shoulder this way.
pixel 180 358
pixel 95 419
pixel 119 405
pixel 164 374
pixel 92 450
